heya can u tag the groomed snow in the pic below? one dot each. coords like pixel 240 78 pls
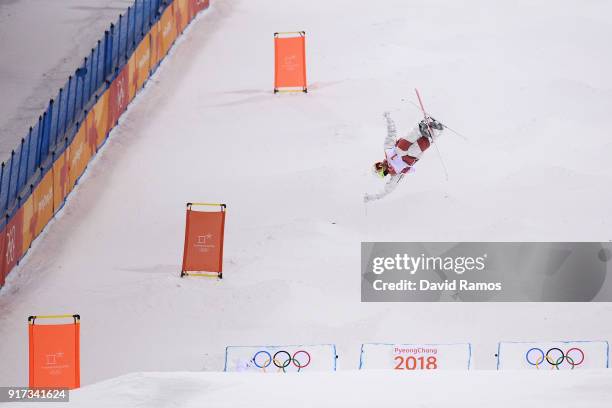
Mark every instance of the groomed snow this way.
pixel 43 42
pixel 528 83
pixel 375 388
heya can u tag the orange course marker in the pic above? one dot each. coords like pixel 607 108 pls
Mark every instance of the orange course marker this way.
pixel 54 353
pixel 290 62
pixel 204 233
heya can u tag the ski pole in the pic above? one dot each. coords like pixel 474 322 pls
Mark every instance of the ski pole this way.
pixel 455 132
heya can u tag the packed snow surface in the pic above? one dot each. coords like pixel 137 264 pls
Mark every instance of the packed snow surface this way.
pixel 526 82
pixel 43 42
pixel 508 389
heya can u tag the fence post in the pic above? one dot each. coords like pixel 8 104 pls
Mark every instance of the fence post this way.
pixel 90 86
pixel 47 133
pixel 148 2
pixel 2 178
pixel 59 112
pixel 28 156
pixel 39 140
pixel 83 83
pixel 119 39
pixel 75 92
pixel 19 166
pixel 96 84
pixel 105 56
pixel 111 68
pixel 134 12
pixel 8 194
pixel 127 33
pixel 67 104
pixel 142 23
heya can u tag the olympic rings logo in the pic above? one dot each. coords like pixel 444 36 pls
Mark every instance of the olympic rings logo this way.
pixel 555 357
pixel 282 360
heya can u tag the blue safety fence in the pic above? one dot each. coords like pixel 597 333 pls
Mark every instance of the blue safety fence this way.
pixel 56 127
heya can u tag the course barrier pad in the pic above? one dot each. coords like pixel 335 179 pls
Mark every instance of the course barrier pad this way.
pixel 204 231
pixel 290 61
pixel 557 355
pixel 54 354
pixel 413 357
pixel 281 359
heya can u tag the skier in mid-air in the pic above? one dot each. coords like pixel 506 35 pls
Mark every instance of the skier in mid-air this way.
pixel 402 154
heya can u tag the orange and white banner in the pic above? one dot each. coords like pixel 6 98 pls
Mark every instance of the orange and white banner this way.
pixel 139 66
pixel 27 235
pixel 61 180
pixel 79 155
pixel 199 5
pixel 54 354
pixel 155 45
pixel 3 273
pixel 13 242
pixel 42 203
pixel 290 61
pixel 416 357
pixel 98 123
pixel 204 234
pixel 118 97
pixel 181 14
pixel 167 31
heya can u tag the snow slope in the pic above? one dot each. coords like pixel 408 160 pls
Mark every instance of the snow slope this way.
pixel 527 83
pixel 348 389
pixel 43 42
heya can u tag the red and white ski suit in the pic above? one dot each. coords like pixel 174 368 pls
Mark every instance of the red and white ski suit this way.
pixel 401 154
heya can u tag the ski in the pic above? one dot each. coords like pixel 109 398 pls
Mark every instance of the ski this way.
pixel 431 132
pixel 424 112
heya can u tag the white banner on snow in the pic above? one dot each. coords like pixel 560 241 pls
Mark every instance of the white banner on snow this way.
pixel 281 359
pixel 561 355
pixel 410 357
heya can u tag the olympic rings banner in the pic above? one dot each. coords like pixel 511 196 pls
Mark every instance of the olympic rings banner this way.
pixel 281 359
pixel 416 357
pixel 559 355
